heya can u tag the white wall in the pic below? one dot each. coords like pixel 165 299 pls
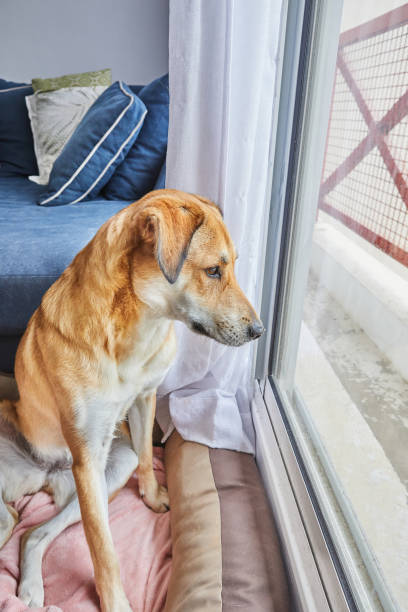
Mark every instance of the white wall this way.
pixel 44 38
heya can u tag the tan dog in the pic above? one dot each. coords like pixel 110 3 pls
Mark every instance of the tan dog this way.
pixel 94 353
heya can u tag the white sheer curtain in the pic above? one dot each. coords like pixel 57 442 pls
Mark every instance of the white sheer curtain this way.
pixel 223 56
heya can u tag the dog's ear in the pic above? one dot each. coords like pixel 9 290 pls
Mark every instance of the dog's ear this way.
pixel 170 229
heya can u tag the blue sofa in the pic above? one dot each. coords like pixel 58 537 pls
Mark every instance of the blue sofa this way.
pixel 37 243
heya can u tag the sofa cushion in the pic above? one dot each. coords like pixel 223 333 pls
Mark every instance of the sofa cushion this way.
pixel 98 145
pixel 81 79
pixel 17 155
pixel 37 244
pixel 137 174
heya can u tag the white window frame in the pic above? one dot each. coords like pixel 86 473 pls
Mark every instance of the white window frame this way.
pixel 329 563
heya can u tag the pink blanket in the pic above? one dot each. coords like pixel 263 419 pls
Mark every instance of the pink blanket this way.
pixel 142 541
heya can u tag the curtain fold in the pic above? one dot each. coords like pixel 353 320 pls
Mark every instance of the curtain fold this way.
pixel 222 70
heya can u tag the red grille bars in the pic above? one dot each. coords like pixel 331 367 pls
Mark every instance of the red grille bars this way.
pixel 365 178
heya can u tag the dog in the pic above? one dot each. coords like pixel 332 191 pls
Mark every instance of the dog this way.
pixel 89 364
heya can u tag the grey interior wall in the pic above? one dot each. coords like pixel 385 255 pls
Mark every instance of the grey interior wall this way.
pixel 44 38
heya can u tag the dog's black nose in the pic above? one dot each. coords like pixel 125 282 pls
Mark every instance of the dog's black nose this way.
pixel 255 330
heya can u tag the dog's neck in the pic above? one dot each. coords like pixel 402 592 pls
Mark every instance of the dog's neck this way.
pixel 107 307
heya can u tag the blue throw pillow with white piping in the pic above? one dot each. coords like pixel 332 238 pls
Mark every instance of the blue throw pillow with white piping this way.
pixel 98 145
pixel 138 173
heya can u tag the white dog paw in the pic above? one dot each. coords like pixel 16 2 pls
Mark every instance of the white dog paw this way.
pixel 156 498
pixel 31 592
pixel 119 604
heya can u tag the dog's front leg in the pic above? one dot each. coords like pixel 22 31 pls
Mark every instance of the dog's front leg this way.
pixel 141 420
pixel 88 470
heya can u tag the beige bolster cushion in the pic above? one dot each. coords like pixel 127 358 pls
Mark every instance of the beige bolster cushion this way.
pixel 226 553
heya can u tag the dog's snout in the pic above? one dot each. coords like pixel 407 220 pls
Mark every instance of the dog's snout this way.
pixel 255 329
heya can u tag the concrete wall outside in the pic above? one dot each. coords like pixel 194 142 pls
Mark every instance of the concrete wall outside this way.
pixel 373 293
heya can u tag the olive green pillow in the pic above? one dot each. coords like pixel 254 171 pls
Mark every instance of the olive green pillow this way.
pixel 82 79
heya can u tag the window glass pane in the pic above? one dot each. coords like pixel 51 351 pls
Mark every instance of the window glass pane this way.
pixel 352 362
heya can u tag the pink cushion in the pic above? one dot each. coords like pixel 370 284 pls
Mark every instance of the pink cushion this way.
pixel 142 541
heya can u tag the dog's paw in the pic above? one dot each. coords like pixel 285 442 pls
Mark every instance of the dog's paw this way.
pixel 115 602
pixel 156 498
pixel 31 592
pixel 118 606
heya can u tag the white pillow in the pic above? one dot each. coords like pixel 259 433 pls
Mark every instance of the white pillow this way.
pixel 54 116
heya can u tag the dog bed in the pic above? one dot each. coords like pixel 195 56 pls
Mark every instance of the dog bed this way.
pixel 216 550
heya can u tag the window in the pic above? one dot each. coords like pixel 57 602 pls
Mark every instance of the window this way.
pixel 336 288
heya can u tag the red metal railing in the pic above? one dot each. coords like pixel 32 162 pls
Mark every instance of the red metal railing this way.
pixel 365 176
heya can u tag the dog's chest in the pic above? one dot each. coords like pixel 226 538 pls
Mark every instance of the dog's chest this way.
pixel 99 408
pixel 141 371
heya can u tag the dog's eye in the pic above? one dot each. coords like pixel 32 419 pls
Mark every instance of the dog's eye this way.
pixel 214 272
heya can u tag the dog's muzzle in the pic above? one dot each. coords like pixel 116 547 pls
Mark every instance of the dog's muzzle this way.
pixel 229 334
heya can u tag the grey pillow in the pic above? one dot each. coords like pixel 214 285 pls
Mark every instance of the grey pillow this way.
pixel 54 116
